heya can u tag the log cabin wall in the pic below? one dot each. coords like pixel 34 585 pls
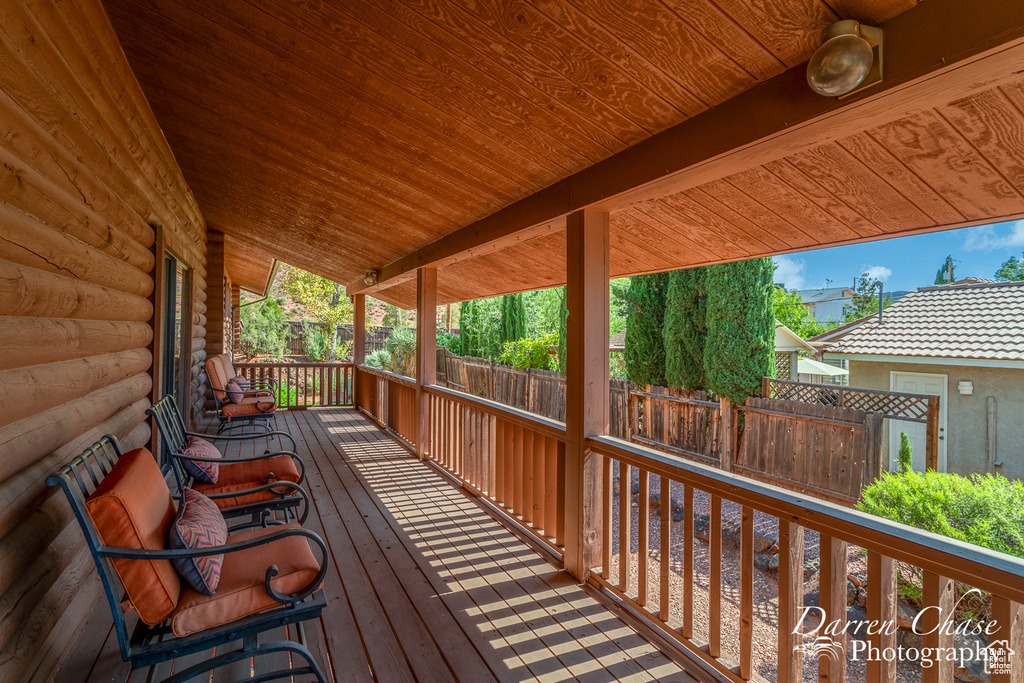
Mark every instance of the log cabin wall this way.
pixel 86 174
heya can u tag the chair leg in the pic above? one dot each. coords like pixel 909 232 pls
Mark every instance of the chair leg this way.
pixel 249 649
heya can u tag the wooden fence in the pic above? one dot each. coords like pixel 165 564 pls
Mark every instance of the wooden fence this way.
pixel 820 439
pixel 304 385
pixel 295 337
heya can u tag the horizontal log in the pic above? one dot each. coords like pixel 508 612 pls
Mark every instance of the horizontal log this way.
pixel 29 191
pixel 198 357
pixel 27 291
pixel 32 390
pixel 85 178
pixel 198 319
pixel 24 492
pixel 26 241
pixel 37 601
pixel 27 441
pixel 34 341
pixel 198 332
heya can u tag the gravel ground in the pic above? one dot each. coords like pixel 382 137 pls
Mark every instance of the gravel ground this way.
pixel 766 587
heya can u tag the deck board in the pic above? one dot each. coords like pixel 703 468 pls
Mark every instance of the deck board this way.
pixel 426 585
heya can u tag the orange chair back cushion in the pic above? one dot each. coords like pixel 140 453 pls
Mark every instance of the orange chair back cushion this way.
pixel 133 508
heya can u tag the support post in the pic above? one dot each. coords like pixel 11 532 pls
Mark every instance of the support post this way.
pixel 931 447
pixel 586 385
pixel 426 353
pixel 358 343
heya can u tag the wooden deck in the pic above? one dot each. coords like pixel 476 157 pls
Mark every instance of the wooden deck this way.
pixel 425 584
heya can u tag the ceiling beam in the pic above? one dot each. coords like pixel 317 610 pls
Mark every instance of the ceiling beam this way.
pixel 937 51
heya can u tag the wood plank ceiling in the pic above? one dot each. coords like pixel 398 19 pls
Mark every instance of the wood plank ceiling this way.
pixel 338 136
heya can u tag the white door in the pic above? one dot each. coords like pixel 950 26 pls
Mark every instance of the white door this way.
pixel 918 383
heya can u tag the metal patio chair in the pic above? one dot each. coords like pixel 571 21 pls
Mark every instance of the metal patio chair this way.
pixel 269 577
pixel 236 409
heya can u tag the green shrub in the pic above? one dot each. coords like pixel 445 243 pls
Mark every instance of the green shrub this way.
pixel 263 330
pixel 686 328
pixel 905 456
pixel 379 359
pixel 529 353
pixel 316 341
pixel 616 366
pixel 401 344
pixel 986 510
pixel 645 345
pixel 452 342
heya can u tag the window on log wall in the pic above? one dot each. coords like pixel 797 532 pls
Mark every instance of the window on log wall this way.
pixel 176 351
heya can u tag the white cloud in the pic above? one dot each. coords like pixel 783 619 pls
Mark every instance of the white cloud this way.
pixel 878 273
pixel 789 272
pixel 993 237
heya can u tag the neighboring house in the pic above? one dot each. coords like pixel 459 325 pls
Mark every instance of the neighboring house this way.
pixel 617 342
pixel 963 342
pixel 826 305
pixel 788 346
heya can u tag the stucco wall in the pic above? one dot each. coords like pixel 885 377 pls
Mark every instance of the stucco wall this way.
pixel 967 416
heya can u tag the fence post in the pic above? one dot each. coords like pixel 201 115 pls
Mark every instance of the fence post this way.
pixel 630 411
pixel 766 387
pixel 727 439
pixel 529 391
pixel 931 457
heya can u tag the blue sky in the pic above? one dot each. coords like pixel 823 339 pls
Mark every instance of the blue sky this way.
pixel 906 262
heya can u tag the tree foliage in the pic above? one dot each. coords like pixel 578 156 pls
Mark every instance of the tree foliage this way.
pixel 946 273
pixel 645 345
pixel 740 328
pixel 480 328
pixel 263 330
pixel 905 455
pixel 685 332
pixel 789 309
pixel 513 318
pixel 323 299
pixel 865 299
pixel 563 329
pixel 1012 269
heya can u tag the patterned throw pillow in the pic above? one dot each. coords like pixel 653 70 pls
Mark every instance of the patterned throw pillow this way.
pixel 205 472
pixel 199 524
pixel 236 388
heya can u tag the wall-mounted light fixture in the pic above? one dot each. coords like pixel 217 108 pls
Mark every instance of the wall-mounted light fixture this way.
pixel 370 279
pixel 965 387
pixel 849 60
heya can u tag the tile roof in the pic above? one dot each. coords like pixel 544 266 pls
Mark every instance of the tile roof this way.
pixel 978 321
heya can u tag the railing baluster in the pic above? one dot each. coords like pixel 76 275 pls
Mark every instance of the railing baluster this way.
pixel 643 536
pixel 715 579
pixel 687 561
pixel 746 592
pixel 625 525
pixel 538 481
pixel 550 487
pixel 832 598
pixel 606 518
pixel 665 534
pixel 517 469
pixel 791 598
pixel 560 489
pixel 508 485
pixel 527 509
pixel 938 591
pixel 1008 618
pixel 492 453
pixel 499 462
pixel 881 609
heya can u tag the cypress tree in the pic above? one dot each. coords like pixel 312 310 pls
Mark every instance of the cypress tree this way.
pixel 740 328
pixel 645 344
pixel 686 328
pixel 513 318
pixel 465 320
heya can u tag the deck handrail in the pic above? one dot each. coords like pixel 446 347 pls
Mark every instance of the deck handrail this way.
pixel 537 423
pixel 390 376
pixel 982 568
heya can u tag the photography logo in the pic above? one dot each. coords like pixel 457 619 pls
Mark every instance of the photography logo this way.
pixel 823 646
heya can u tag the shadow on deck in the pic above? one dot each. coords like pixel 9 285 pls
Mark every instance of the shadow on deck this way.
pixel 425 584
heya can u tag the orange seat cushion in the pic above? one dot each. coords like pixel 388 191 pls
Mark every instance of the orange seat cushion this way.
pixel 241 592
pixel 282 467
pixel 132 508
pixel 241 476
pixel 250 405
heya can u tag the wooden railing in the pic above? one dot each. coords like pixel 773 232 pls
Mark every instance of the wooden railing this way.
pixel 690 570
pixel 305 385
pixel 656 593
pixel 389 399
pixel 513 459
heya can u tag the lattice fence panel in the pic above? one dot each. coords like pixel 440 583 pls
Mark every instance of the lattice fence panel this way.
pixel 893 404
pixel 783 364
